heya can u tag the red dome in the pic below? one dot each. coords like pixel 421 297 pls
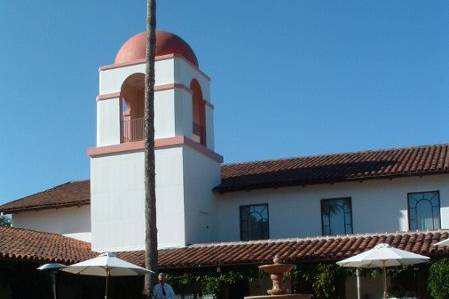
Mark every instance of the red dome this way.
pixel 166 43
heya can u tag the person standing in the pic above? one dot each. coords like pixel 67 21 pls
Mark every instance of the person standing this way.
pixel 163 290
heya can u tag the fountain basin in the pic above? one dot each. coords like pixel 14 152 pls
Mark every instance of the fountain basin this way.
pixel 286 296
pixel 277 271
pixel 277 268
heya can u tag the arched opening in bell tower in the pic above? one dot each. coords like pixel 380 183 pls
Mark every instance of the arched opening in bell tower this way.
pixel 132 97
pixel 198 113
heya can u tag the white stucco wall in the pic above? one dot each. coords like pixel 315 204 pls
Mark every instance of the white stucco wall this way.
pixel 377 206
pixel 108 122
pixel 71 221
pixel 168 71
pixel 117 200
pixel 183 113
pixel 111 80
pixel 185 203
pixel 184 73
pixel 164 113
pixel 201 174
pixel 210 136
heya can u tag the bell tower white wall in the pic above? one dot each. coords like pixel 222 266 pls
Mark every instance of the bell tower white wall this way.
pixel 186 171
pixel 173 100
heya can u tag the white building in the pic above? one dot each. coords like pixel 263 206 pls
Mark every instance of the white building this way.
pixel 201 200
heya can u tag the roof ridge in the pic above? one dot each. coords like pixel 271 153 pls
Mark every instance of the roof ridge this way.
pixel 314 238
pixel 48 189
pixel 338 154
pixel 76 181
pixel 39 192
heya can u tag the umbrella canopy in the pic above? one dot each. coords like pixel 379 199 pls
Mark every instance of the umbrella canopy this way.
pixel 51 267
pixel 381 256
pixel 106 264
pixel 442 243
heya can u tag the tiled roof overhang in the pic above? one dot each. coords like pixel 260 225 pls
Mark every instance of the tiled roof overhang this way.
pixel 27 245
pixel 66 195
pixel 42 247
pixel 297 250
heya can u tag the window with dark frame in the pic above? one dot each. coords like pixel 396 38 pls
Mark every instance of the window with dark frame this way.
pixel 424 210
pixel 336 216
pixel 254 222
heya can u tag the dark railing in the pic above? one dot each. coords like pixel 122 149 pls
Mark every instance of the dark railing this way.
pixel 199 133
pixel 197 129
pixel 132 129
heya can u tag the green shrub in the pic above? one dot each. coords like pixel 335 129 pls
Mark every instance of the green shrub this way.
pixel 438 281
pixel 210 283
pixel 327 279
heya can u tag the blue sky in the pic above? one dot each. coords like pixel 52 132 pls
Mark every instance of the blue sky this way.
pixel 289 78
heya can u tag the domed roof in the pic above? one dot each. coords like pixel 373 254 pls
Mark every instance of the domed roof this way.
pixel 166 43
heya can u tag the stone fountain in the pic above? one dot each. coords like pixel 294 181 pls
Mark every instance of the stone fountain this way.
pixel 277 270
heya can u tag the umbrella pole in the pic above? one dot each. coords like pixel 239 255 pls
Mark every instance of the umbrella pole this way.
pixel 53 281
pixel 357 274
pixel 385 279
pixel 107 284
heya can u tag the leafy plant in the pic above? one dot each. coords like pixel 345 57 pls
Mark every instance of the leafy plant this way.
pixel 210 283
pixel 403 280
pixel 302 278
pixel 327 279
pixel 324 280
pixel 438 282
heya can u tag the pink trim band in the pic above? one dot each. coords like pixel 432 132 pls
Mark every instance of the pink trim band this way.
pixel 202 149
pixel 161 143
pixel 157 58
pixel 116 148
pixel 108 96
pixel 172 86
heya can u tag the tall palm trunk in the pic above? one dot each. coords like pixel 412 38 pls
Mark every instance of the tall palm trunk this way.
pixel 151 254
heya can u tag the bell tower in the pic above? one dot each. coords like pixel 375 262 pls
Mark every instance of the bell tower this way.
pixel 187 167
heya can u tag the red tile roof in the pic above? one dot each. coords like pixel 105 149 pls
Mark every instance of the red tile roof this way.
pixel 297 250
pixel 388 163
pixel 65 195
pixel 346 167
pixel 22 244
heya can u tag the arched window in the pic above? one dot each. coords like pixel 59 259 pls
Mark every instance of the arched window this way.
pixel 198 113
pixel 424 210
pixel 132 106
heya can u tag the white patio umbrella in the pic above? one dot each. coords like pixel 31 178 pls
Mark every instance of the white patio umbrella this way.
pixel 442 243
pixel 107 265
pixel 52 268
pixel 383 256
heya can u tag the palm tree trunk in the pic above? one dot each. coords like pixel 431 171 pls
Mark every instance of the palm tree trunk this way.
pixel 151 255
